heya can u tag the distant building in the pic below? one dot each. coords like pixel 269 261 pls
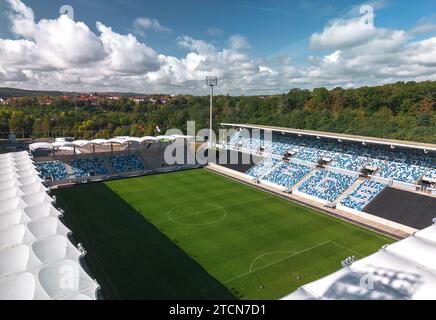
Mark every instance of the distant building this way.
pixel 138 100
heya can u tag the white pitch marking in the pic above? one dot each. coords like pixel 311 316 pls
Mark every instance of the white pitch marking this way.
pixel 271 252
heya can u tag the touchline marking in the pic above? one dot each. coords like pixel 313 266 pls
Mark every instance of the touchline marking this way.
pixel 269 265
pixel 348 249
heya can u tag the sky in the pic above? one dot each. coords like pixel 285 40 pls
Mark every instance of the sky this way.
pixel 253 46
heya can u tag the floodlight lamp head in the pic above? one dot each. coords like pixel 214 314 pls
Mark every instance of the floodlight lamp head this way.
pixel 212 81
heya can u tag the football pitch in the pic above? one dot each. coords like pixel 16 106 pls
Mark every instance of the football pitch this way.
pixel 198 235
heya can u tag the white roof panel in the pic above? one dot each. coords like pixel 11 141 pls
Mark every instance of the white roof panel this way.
pixel 34 247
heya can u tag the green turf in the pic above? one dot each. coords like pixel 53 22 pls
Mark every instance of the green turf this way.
pixel 198 235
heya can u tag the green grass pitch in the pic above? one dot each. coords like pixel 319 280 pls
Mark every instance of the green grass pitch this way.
pixel 198 235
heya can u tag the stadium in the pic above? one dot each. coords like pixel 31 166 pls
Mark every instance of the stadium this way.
pixel 310 215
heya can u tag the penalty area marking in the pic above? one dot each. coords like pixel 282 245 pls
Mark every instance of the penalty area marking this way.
pixel 268 265
pixel 292 253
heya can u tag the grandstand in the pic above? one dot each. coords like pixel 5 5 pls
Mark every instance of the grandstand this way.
pixel 336 170
pixel 134 156
pixel 405 165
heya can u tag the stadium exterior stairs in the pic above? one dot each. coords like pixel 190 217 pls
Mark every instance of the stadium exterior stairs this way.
pixel 69 169
pixel 308 176
pixel 107 164
pixel 350 190
pixel 143 158
pixel 109 167
pixel 267 172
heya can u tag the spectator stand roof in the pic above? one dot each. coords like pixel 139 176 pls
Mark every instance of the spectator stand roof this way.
pixel 37 260
pixel 340 136
pixel 61 143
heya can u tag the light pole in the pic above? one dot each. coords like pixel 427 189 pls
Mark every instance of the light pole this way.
pixel 211 82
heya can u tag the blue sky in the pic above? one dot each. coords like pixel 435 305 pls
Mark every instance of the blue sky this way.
pixel 272 45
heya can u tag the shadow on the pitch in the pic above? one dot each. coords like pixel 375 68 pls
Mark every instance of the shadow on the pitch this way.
pixel 130 257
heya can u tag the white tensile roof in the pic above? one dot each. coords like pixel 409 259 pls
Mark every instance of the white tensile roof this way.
pixel 37 260
pixel 62 143
pixel 403 270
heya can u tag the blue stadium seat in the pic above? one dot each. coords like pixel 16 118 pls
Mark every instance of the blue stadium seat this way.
pixel 402 172
pixel 262 168
pixel 88 167
pixel 349 162
pixel 392 164
pixel 288 174
pixel 53 169
pixel 126 163
pixel 431 174
pixel 327 185
pixel 363 195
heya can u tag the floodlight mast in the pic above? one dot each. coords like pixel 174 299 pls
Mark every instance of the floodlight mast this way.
pixel 212 82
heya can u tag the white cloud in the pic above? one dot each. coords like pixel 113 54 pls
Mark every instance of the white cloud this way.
pixel 66 55
pixel 365 55
pixel 425 25
pixel 199 46
pixel 142 24
pixel 215 32
pixel 340 34
pixel 50 44
pixel 333 58
pixel 238 42
pixel 126 54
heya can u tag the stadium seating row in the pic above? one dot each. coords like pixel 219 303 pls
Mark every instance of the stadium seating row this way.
pixel 53 169
pixel 402 172
pixel 126 163
pixel 431 174
pixel 327 185
pixel 392 164
pixel 363 195
pixel 349 162
pixel 288 174
pixel 89 167
pixel 309 155
pixel 262 168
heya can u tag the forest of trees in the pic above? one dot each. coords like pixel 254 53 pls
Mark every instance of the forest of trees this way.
pixel 405 111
